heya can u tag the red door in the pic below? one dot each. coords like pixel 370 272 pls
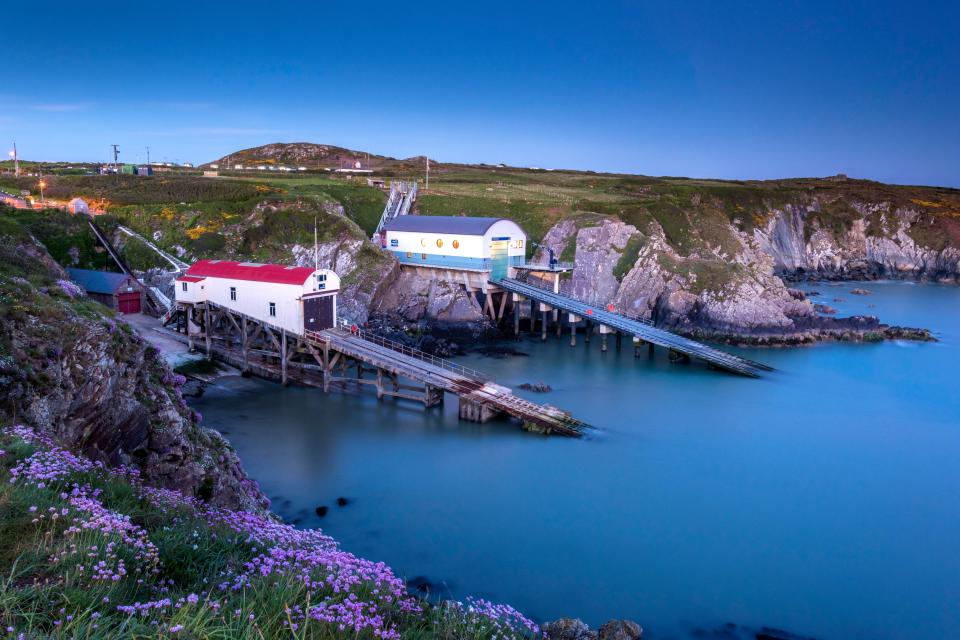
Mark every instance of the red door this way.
pixel 128 302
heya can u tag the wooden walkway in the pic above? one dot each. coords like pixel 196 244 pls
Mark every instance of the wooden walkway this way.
pixel 471 386
pixel 634 327
pixel 352 358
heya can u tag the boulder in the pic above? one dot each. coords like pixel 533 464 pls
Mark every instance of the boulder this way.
pixel 620 630
pixel 569 629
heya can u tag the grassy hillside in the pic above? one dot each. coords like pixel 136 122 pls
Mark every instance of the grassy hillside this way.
pixel 92 552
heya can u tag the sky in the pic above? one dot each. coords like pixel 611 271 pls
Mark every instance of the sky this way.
pixel 707 89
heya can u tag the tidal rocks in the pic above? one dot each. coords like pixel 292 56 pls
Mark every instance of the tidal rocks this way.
pixel 569 629
pixel 322 510
pixel 538 387
pixel 861 292
pixel 825 309
pixel 620 630
pixel 342 502
pixel 576 629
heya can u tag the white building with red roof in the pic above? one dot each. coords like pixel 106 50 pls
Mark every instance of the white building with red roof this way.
pixel 290 298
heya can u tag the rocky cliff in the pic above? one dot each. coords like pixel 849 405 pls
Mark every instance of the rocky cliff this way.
pixel 71 369
pixel 726 281
pixel 880 240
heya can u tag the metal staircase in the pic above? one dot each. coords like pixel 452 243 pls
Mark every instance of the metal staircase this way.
pixel 401 199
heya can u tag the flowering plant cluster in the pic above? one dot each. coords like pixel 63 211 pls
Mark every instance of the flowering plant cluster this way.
pixel 181 567
pixel 70 289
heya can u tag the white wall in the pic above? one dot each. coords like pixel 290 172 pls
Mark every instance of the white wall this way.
pixel 253 297
pixel 471 246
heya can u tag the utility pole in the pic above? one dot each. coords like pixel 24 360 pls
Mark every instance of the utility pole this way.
pixel 427 186
pixel 16 161
pixel 116 154
pixel 148 156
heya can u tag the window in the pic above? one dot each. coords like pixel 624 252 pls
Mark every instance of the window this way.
pixel 321 277
pixel 273 309
pixel 184 285
pixel 233 293
pixel 409 254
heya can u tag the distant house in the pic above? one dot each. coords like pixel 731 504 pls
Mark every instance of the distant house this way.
pixel 144 170
pixel 237 167
pixel 116 290
pixel 78 205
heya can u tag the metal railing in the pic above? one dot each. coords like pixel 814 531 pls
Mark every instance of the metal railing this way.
pixel 412 352
pixel 538 266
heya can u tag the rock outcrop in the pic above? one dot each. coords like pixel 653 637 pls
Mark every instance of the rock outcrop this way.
pixel 734 290
pixel 876 242
pixel 70 369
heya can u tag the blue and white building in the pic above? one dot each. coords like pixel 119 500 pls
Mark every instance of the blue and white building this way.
pixel 487 246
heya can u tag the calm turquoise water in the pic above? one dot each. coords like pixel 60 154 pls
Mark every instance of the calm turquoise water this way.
pixel 822 499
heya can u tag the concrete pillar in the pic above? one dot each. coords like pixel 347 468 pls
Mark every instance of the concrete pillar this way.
pixel 283 358
pixel 574 319
pixel 588 329
pixel 636 346
pixel 619 340
pixel 473 411
pixel 650 349
pixel 379 383
pixel 544 320
pixel 604 331
pixel 516 318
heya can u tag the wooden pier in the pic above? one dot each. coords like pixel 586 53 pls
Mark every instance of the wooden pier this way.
pixel 352 358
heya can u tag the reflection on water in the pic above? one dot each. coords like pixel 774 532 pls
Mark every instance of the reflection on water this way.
pixel 820 499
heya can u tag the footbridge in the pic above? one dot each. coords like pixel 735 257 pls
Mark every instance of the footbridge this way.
pixel 349 357
pixel 641 331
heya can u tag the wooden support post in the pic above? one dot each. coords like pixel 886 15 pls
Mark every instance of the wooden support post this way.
pixel 516 319
pixel 556 319
pixel 619 340
pixel 283 358
pixel 543 325
pixel 206 331
pixel 636 346
pixel 603 343
pixel 379 383
pixel 589 330
pixel 503 305
pixel 650 349
pixel 245 345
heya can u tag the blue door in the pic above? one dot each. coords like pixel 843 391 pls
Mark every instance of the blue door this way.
pixel 499 260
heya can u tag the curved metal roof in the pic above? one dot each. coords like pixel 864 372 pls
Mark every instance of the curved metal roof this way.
pixel 466 225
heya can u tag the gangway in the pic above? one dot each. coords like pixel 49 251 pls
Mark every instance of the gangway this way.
pixel 401 199
pixel 635 327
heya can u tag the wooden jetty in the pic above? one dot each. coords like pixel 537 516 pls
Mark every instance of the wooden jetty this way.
pixel 344 358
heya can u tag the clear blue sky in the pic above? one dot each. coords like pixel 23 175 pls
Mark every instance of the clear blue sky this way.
pixel 720 89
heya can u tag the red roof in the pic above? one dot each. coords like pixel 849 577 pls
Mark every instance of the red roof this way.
pixel 189 279
pixel 278 273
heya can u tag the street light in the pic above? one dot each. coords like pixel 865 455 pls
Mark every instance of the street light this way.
pixel 41 184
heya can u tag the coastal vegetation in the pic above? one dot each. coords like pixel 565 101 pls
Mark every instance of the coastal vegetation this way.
pixel 94 552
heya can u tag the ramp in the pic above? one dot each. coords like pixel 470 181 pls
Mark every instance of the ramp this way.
pixel 448 376
pixel 638 328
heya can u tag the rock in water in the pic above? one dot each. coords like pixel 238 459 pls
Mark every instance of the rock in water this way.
pixel 322 511
pixel 342 502
pixel 823 308
pixel 620 630
pixel 539 387
pixel 569 629
pixel 861 292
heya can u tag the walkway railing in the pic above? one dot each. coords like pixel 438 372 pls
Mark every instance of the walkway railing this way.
pixel 399 347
